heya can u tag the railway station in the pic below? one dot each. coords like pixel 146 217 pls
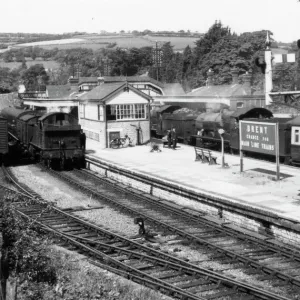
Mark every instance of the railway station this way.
pixel 213 171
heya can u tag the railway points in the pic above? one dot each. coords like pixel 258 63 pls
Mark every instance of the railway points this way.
pixel 82 234
pixel 253 192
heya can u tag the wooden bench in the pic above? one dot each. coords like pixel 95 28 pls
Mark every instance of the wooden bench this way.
pixel 166 144
pixel 205 156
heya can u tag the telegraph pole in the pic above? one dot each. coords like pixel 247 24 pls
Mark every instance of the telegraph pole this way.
pixel 156 58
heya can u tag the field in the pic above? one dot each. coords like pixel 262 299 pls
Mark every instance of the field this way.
pixel 179 43
pixel 95 42
pixel 51 64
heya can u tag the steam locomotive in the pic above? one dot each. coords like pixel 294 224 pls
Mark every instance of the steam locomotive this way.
pixel 53 138
pixel 202 129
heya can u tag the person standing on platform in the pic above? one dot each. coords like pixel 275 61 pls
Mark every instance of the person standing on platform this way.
pixel 169 137
pixel 82 140
pixel 174 138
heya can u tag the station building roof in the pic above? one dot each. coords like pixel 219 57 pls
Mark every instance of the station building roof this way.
pixel 107 91
pixel 59 91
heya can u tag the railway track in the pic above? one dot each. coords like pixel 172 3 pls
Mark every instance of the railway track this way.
pixel 172 276
pixel 257 254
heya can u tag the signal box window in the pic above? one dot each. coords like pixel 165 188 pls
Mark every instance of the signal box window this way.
pixel 296 135
pixel 126 112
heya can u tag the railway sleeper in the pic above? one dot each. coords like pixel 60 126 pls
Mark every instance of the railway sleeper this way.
pixel 179 279
pixel 67 224
pixel 87 235
pixel 222 294
pixel 290 268
pixel 61 221
pixel 243 297
pixel 142 266
pixel 207 287
pixel 53 218
pixel 212 237
pixel 194 282
pixel 76 232
pixel 119 257
pixel 67 229
pixel 261 257
pixel 167 274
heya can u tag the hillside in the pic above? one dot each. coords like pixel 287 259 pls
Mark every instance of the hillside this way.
pixel 97 41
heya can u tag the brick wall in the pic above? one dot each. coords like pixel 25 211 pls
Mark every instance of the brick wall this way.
pixel 127 128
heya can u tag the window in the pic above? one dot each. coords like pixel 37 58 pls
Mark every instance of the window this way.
pixel 82 110
pixel 126 112
pixel 239 104
pixel 100 113
pixel 296 135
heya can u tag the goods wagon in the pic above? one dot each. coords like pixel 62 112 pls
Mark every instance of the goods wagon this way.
pixel 3 139
pixel 157 118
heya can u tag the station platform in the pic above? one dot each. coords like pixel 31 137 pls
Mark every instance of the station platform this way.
pixel 256 186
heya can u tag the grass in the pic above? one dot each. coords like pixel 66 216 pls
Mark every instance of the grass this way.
pixel 78 279
pixel 179 43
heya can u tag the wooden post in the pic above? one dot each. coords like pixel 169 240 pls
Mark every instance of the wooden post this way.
pixel 241 152
pixel 277 151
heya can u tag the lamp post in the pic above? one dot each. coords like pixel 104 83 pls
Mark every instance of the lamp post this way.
pixel 221 132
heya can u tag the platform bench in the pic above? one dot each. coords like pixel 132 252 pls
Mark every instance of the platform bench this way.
pixel 165 144
pixel 205 156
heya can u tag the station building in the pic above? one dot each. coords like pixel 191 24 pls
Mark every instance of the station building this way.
pixel 113 110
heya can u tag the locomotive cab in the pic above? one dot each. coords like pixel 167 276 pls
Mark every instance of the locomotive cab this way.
pixel 58 135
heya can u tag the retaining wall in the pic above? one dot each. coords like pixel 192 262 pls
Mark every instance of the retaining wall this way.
pixel 244 216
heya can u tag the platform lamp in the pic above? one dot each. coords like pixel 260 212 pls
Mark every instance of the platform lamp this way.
pixel 221 132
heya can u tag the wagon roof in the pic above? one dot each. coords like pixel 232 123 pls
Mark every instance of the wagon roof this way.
pixel 14 112
pixel 248 112
pixel 166 107
pixel 28 117
pixel 45 116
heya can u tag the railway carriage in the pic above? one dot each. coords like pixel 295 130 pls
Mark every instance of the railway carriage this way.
pixel 295 140
pixel 202 130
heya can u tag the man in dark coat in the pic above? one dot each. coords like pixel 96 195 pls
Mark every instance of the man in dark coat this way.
pixel 174 138
pixel 169 138
pixel 82 140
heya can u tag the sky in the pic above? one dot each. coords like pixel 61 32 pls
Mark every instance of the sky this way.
pixel 282 17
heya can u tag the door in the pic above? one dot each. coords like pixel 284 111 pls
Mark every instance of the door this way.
pixel 113 135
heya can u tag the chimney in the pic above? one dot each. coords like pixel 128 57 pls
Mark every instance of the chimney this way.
pixel 100 80
pixel 73 81
pixel 235 76
pixel 210 74
pixel 247 83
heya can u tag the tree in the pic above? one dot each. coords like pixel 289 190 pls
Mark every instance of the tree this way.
pixel 34 77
